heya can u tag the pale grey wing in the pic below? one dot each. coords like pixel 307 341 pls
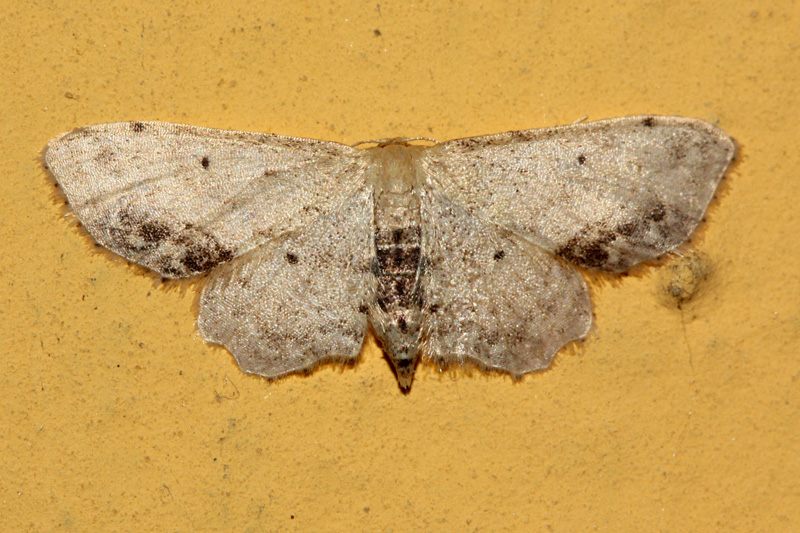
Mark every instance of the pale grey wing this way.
pixel 181 199
pixel 493 298
pixel 298 301
pixel 604 195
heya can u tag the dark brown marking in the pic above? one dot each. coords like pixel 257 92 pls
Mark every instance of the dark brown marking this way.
pixel 401 286
pixel 397 290
pixel 466 143
pixel 138 237
pixel 204 161
pixel 401 323
pixel 138 127
pixel 658 213
pixel 398 235
pixel 377 33
pixel 591 253
pixel 581 159
pixel 202 256
pixel 171 271
pixel 627 229
pixel 408 235
pixel 291 258
pixel 106 155
pixel 363 309
pixel 153 231
pixel 499 254
pixel 434 308
pixel 649 122
pixel 679 148
pixel 398 258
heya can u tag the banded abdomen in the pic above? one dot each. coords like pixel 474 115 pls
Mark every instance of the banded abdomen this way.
pixel 397 310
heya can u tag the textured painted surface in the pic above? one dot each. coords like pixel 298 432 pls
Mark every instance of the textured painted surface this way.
pixel 678 413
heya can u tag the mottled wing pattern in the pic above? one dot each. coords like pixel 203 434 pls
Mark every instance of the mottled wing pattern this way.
pixel 302 300
pixel 604 195
pixel 492 298
pixel 181 199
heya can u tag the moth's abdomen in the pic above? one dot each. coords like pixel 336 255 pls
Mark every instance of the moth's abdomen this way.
pixel 396 312
pixel 398 254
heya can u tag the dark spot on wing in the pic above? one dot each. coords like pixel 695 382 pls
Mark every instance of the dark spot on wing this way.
pixel 105 156
pixel 627 229
pixel 499 254
pixel 291 258
pixel 171 271
pixel 404 362
pixel 657 213
pixel 581 159
pixel 402 324
pixel 138 127
pixel 586 251
pixel 678 150
pixel 363 309
pixel 174 250
pixel 466 143
pixel 204 255
pixel 649 122
pixel 434 308
pixel 589 254
pixel 355 334
pixel 311 209
pixel 648 232
pixel 204 162
pixel 153 231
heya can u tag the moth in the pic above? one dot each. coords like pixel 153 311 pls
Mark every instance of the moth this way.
pixel 463 251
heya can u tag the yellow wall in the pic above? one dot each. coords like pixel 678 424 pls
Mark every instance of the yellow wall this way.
pixel 116 416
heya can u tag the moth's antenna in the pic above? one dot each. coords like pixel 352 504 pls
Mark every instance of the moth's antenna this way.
pixel 395 140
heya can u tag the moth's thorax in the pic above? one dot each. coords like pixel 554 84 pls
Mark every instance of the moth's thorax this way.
pixel 395 166
pixel 397 310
